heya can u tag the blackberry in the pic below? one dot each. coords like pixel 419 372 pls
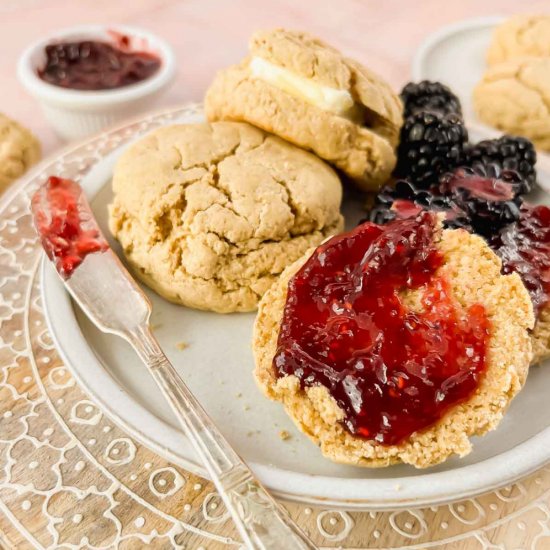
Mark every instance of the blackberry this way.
pixel 475 202
pixel 506 153
pixel 405 200
pixel 430 145
pixel 432 97
pixel 488 203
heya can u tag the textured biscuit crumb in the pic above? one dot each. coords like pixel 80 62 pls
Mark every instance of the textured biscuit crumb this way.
pixel 284 435
pixel 182 345
pixel 520 36
pixel 540 337
pixel 473 272
pixel 209 215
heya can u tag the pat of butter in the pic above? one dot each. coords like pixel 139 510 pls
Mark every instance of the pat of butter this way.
pixel 336 101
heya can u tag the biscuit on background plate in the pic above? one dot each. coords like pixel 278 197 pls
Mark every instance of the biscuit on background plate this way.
pixel 514 96
pixel 19 150
pixel 209 215
pixel 473 272
pixel 520 36
pixel 303 90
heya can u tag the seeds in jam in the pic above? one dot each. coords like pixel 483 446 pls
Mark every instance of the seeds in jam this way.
pixel 392 369
pixel 65 225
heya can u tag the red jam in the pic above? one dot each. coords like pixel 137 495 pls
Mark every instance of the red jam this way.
pixel 346 326
pixel 93 65
pixel 65 224
pixel 524 247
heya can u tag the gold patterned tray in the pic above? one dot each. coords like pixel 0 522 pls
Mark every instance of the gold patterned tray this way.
pixel 71 478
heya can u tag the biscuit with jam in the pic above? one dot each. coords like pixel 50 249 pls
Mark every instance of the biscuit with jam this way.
pixel 303 90
pixel 397 374
pixel 209 215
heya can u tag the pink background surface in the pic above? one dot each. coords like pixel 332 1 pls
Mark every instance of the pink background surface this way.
pixel 209 34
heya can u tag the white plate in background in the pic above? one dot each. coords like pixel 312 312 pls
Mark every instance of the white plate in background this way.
pixel 455 56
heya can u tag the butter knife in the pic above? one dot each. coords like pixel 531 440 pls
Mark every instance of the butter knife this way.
pixel 109 296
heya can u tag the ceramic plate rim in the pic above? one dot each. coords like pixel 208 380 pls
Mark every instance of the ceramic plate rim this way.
pixel 356 493
pixel 431 41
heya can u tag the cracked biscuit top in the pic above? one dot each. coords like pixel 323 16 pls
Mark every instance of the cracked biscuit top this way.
pixel 301 55
pixel 210 214
pixel 514 96
pixel 520 36
pixel 301 89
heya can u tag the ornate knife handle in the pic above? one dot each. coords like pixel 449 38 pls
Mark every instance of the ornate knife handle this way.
pixel 261 521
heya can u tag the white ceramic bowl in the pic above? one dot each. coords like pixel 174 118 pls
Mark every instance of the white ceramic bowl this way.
pixel 75 114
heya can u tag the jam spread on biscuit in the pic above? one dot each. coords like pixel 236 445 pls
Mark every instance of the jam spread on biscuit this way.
pixel 492 207
pixel 394 368
pixel 96 65
pixel 65 224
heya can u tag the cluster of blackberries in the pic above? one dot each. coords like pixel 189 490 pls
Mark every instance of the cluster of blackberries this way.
pixel 434 141
pixel 468 198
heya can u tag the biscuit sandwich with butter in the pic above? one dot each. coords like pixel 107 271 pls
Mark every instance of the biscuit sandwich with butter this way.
pixel 299 88
pixel 209 215
pixel 339 380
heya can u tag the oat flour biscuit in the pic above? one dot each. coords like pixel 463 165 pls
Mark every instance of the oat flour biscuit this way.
pixel 303 90
pixel 514 96
pixel 520 36
pixel 209 215
pixel 473 272
pixel 19 150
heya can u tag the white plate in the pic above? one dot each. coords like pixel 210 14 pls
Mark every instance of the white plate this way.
pixel 455 55
pixel 218 367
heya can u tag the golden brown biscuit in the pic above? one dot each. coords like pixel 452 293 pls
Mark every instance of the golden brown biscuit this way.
pixel 19 150
pixel 520 36
pixel 210 214
pixel 514 96
pixel 540 336
pixel 473 272
pixel 303 90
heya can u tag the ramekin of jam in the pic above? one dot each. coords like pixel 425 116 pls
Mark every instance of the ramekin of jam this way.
pixel 90 77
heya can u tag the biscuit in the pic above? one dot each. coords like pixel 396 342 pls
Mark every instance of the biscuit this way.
pixel 209 215
pixel 473 272
pixel 514 96
pixel 19 150
pixel 520 36
pixel 303 90
pixel 540 337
